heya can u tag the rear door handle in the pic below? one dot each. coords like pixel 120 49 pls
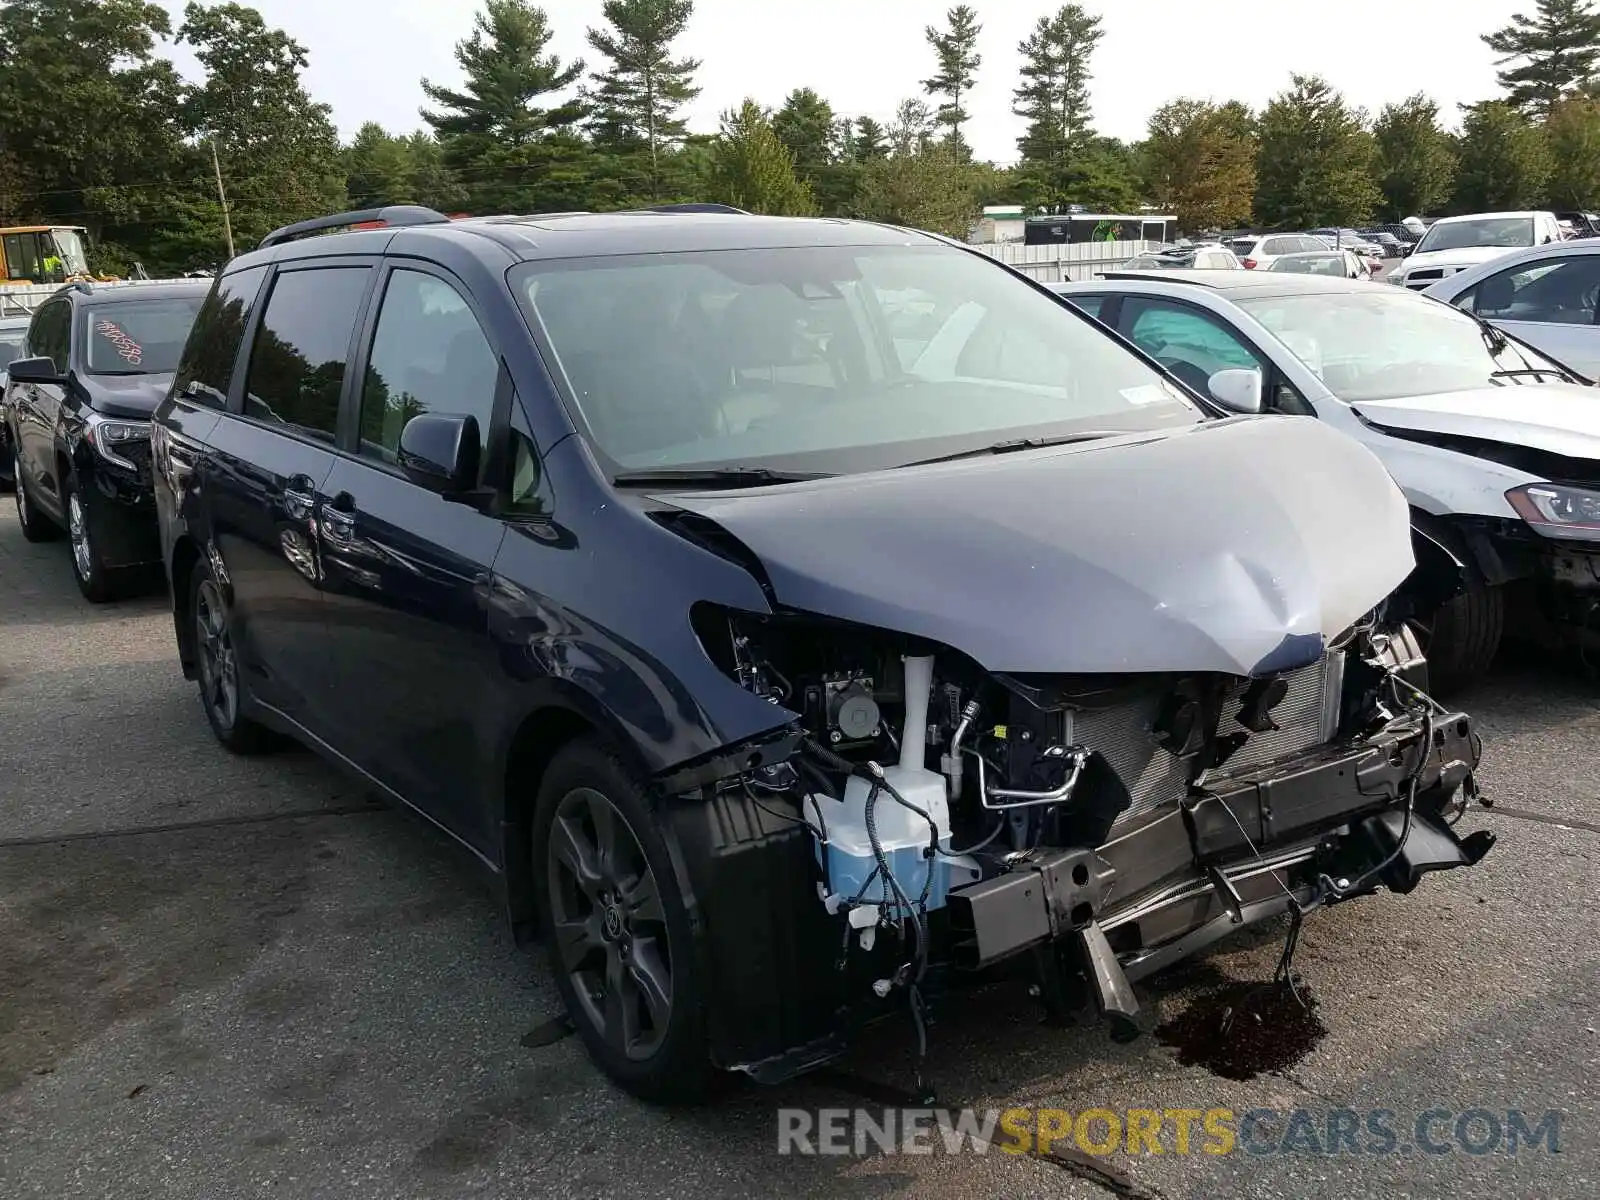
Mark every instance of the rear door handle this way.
pixel 339 518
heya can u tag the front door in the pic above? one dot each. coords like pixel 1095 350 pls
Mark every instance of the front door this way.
pixel 408 571
pixel 35 408
pixel 268 460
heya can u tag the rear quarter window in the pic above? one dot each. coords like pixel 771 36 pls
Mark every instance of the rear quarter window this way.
pixel 213 346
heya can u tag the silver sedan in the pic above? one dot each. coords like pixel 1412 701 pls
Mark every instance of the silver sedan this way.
pixel 1549 296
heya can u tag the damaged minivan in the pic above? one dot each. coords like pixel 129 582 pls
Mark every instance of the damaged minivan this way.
pixel 799 619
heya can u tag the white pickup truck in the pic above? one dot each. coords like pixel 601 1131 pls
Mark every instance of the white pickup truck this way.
pixel 1456 243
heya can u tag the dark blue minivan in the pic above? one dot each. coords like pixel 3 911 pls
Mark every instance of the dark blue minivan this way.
pixel 796 617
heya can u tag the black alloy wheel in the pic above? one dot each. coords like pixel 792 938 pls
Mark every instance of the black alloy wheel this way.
pixel 617 927
pixel 217 666
pixel 97 584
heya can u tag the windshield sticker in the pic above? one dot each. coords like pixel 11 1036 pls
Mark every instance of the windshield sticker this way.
pixel 1149 393
pixel 130 350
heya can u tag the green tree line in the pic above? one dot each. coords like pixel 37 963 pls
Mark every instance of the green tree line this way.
pixel 98 129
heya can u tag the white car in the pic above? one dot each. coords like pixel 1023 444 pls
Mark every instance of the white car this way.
pixel 1258 251
pixel 1496 447
pixel 1455 244
pixel 1209 256
pixel 1549 296
pixel 1349 239
pixel 1341 264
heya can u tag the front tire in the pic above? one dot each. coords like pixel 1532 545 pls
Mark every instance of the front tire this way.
pixel 217 667
pixel 621 945
pixel 1463 637
pixel 98 584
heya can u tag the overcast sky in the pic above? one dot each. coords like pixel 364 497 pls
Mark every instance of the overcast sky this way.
pixel 864 56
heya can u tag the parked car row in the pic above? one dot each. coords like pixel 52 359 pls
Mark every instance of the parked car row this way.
pixel 799 619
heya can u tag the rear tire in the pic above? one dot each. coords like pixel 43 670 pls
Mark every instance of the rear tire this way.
pixel 217 667
pixel 621 946
pixel 36 527
pixel 1464 637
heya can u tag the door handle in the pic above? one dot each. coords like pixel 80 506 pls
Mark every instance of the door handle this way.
pixel 300 497
pixel 339 518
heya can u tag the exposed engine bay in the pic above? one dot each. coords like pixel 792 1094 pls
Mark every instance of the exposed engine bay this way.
pixel 1091 828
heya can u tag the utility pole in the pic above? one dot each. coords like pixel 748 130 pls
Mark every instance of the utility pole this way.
pixel 222 195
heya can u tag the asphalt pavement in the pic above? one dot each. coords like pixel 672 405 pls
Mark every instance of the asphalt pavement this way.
pixel 224 978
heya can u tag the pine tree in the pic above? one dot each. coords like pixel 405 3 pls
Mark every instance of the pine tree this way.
pixel 752 168
pixel 871 142
pixel 956 48
pixel 639 95
pixel 1556 52
pixel 510 151
pixel 805 124
pixel 1054 94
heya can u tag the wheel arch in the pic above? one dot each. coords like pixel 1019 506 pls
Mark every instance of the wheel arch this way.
pixel 558 716
pixel 180 568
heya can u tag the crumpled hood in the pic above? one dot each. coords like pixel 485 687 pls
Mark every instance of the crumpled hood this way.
pixel 1559 418
pixel 133 396
pixel 1237 546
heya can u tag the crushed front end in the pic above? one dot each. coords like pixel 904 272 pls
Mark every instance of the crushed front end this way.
pixel 925 821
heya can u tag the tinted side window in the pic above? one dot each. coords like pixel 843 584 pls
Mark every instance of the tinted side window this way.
pixel 1192 344
pixel 50 335
pixel 213 345
pixel 1563 291
pixel 429 356
pixel 1089 304
pixel 298 360
pixel 1280 245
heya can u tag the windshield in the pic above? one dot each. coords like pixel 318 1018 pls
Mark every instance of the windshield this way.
pixel 1384 343
pixel 142 337
pixel 10 345
pixel 826 359
pixel 69 246
pixel 1507 232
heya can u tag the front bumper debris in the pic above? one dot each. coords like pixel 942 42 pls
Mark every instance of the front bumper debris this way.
pixel 1237 850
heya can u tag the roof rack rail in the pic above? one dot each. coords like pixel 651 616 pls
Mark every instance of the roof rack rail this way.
pixel 698 208
pixel 394 215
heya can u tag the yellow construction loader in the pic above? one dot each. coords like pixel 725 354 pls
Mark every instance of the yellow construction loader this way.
pixel 31 254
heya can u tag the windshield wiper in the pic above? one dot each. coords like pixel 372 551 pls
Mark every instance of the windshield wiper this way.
pixel 1521 372
pixel 713 477
pixel 1014 444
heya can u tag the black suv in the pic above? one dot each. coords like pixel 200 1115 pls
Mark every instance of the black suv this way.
pixel 796 616
pixel 98 359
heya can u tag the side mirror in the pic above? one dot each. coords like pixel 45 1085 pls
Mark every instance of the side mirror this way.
pixel 440 453
pixel 1242 391
pixel 34 370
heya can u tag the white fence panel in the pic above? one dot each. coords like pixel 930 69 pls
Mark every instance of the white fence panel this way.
pixel 1065 261
pixel 21 299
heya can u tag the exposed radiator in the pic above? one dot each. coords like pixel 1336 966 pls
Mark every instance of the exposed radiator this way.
pixel 1306 718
